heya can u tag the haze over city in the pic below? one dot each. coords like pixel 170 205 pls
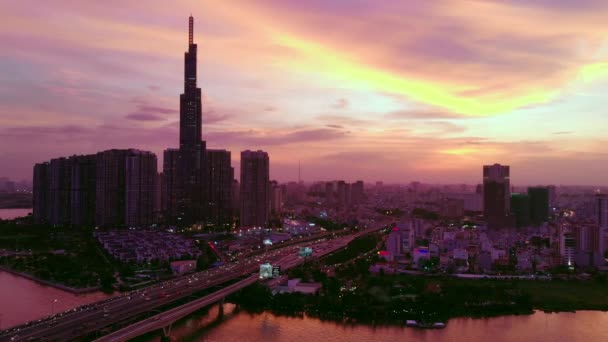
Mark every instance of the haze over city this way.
pixel 392 91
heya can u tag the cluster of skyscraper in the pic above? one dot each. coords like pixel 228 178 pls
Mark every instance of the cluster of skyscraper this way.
pixel 119 187
pixel 114 187
pixel 502 209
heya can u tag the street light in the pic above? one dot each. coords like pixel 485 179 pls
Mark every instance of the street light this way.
pixel 53 306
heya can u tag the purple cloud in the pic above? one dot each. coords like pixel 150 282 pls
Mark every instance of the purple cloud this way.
pixel 144 117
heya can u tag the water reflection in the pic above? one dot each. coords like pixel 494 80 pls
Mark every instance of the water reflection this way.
pixel 238 326
pixel 23 300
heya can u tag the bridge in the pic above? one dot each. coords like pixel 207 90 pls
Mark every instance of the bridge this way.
pixel 130 307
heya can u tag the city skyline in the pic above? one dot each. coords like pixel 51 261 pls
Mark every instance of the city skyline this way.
pixel 421 104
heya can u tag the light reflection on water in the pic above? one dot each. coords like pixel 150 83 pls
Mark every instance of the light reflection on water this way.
pixel 238 326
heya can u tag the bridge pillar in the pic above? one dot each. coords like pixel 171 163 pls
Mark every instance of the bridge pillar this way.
pixel 221 307
pixel 167 331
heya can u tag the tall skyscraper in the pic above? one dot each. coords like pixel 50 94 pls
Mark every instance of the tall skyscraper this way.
pixel 218 177
pixel 520 208
pixel 254 194
pixel 41 193
pixel 357 192
pixel 60 187
pixel 343 193
pixel 601 218
pixel 171 191
pixel 539 204
pixel 125 188
pixel 140 181
pixel 191 146
pixel 276 197
pixel 83 190
pixel 496 193
pixel 110 188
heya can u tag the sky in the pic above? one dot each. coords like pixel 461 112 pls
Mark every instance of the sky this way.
pixel 374 90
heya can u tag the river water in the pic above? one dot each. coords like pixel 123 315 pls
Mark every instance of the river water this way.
pixel 23 300
pixel 234 326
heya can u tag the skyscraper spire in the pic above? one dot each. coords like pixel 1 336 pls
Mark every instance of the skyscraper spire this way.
pixel 191 30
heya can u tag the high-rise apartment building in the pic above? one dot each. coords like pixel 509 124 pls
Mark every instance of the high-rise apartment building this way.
pixel 496 194
pixel 41 193
pixel 218 176
pixel 125 188
pixel 539 204
pixel 60 188
pixel 601 219
pixel 254 193
pixel 140 181
pixel 356 192
pixel 171 190
pixel 520 208
pixel 83 190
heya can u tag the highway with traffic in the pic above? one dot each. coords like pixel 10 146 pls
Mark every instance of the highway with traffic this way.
pixel 127 308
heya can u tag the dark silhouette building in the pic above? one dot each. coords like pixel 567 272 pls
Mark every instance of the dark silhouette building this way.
pixel 191 146
pixel 60 188
pixel 83 190
pixel 171 191
pixel 218 176
pixel 496 194
pixel 125 188
pixel 254 194
pixel 41 193
pixel 140 182
pixel 520 209
pixel 357 194
pixel 539 204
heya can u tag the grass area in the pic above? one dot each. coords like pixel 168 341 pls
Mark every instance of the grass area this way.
pixel 356 247
pixel 68 256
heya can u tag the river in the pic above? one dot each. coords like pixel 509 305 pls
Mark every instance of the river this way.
pixel 234 326
pixel 8 214
pixel 23 300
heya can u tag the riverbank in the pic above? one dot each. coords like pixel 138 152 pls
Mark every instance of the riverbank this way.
pixel 355 296
pixel 76 291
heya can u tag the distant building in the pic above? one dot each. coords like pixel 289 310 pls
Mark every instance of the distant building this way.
pixel 276 203
pixel 496 194
pixel 357 195
pixel 539 204
pixel 296 285
pixel 140 180
pixel 125 188
pixel 601 218
pixel 171 191
pixel 394 244
pixel 183 266
pixel 236 197
pixel 568 247
pixel 41 193
pixel 343 193
pixel 218 178
pixel 83 190
pixel 254 193
pixel 60 188
pixel 520 208
pixel 452 208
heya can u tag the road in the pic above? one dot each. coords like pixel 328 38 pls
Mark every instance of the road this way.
pixel 94 317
